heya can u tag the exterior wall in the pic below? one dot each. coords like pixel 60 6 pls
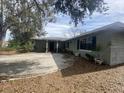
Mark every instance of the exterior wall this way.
pixel 117 49
pixel 61 46
pixel 73 45
pixel 102 41
pixel 111 44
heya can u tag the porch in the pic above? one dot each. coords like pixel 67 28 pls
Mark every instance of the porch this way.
pixel 49 45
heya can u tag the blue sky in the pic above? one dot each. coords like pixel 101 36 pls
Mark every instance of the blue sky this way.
pixel 62 26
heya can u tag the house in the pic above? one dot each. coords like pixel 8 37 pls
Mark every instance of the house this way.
pixel 52 44
pixel 105 43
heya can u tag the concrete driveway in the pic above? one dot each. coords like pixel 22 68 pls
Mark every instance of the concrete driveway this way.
pixel 33 63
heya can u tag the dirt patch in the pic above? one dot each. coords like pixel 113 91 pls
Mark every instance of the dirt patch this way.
pixel 8 52
pixel 81 77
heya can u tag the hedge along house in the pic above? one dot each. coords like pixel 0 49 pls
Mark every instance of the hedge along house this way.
pixel 106 43
pixel 49 44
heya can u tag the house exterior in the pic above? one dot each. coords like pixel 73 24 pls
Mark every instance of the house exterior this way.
pixel 106 43
pixel 49 44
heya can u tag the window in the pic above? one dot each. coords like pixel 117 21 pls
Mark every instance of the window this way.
pixel 67 45
pixel 88 43
pixel 83 44
pixel 78 44
pixel 94 42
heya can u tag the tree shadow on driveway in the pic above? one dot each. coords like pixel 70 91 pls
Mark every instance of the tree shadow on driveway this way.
pixel 11 69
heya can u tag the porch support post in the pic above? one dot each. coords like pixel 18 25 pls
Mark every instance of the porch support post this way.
pixel 46 46
pixel 57 46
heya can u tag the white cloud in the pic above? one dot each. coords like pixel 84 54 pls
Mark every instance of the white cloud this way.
pixel 56 29
pixel 115 6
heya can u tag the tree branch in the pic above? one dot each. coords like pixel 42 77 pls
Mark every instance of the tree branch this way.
pixel 39 7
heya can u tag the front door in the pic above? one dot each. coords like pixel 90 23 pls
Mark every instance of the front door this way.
pixel 51 46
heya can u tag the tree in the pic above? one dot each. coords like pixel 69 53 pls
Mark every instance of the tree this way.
pixel 73 32
pixel 79 9
pixel 24 16
pixel 2 34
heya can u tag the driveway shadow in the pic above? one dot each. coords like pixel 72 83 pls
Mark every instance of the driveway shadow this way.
pixel 10 69
pixel 62 60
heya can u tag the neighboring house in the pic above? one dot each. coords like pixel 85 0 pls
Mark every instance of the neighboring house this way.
pixel 106 43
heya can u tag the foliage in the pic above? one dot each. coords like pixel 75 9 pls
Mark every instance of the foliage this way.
pixel 25 19
pixel 90 57
pixel 73 32
pixel 7 49
pixel 22 42
pixel 22 16
pixel 98 48
pixel 27 47
pixel 79 9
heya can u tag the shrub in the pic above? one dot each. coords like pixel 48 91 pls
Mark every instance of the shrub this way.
pixel 90 57
pixel 98 48
pixel 21 47
pixel 69 52
pixel 28 47
pixel 13 44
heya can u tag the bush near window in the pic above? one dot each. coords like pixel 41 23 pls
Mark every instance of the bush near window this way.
pixel 90 57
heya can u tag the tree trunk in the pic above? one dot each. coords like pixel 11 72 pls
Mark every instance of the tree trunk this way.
pixel 2 36
pixel 1 24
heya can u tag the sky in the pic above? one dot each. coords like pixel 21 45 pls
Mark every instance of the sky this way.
pixel 62 27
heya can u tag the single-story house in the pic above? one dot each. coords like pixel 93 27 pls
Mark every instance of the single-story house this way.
pixel 49 44
pixel 106 43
